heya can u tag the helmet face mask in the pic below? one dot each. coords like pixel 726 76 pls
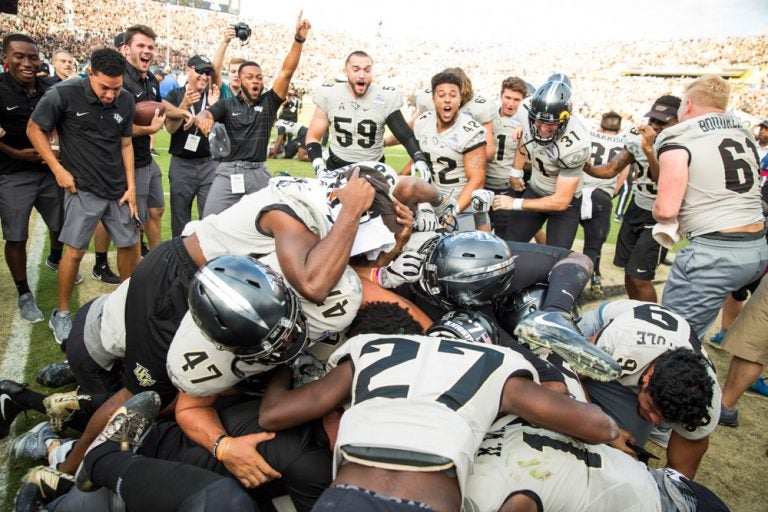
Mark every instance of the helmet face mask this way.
pixel 550 104
pixel 466 325
pixel 466 269
pixel 243 306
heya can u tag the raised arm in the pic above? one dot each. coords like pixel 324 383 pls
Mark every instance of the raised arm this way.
pixel 291 62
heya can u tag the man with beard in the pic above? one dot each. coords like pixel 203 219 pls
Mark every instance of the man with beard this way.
pixel 357 111
pixel 248 119
pixel 139 48
pixel 191 171
pixel 455 144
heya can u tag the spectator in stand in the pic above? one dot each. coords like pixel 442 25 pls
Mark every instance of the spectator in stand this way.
pixel 63 65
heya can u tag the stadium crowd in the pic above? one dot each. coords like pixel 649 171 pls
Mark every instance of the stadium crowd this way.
pixel 372 338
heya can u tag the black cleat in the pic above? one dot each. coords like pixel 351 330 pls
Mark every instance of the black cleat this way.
pixel 9 408
pixel 557 332
pixel 56 375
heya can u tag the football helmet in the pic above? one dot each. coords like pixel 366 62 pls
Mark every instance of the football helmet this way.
pixel 559 77
pixel 240 303
pixel 551 103
pixel 466 269
pixel 466 325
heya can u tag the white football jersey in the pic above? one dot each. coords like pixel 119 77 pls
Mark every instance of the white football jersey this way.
pixel 497 169
pixel 643 185
pixel 449 391
pixel 446 150
pixel 563 157
pixel 605 147
pixel 635 333
pixel 288 127
pixel 357 124
pixel 566 474
pixel 112 328
pixel 198 368
pixel 723 179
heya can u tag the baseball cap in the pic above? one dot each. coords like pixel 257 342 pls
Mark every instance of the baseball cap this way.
pixel 119 39
pixel 662 112
pixel 764 123
pixel 200 62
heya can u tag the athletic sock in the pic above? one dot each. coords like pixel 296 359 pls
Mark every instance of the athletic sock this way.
pixel 566 282
pixel 22 286
pixel 55 255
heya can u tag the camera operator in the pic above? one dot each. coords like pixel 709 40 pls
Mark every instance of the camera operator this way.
pixel 248 119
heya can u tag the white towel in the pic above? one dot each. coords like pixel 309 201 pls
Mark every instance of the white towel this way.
pixel 666 233
pixel 586 203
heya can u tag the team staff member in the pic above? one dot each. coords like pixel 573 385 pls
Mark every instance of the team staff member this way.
pixel 25 180
pixel 94 121
pixel 709 184
pixel 248 119
pixel 357 112
pixel 191 170
pixel 636 250
pixel 139 47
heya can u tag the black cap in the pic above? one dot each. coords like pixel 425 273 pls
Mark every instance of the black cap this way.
pixel 119 39
pixel 764 123
pixel 662 112
pixel 200 62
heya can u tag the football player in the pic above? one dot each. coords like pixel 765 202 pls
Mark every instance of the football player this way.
pixel 709 185
pixel 449 389
pixel 666 376
pixel 598 193
pixel 636 250
pixel 556 144
pixel 357 112
pixel 455 145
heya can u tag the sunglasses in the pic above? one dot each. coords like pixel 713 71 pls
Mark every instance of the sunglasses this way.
pixel 204 71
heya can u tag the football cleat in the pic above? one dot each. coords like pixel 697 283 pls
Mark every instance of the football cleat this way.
pixel 60 406
pixel 40 486
pixel 31 445
pixel 126 427
pixel 56 375
pixel 9 408
pixel 557 332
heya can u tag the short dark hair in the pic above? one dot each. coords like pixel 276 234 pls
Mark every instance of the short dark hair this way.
pixel 357 53
pixel 138 29
pixel 516 84
pixel 611 121
pixel 446 77
pixel 7 40
pixel 383 318
pixel 108 61
pixel 681 387
pixel 247 63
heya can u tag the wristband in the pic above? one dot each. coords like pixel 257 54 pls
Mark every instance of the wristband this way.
pixel 516 173
pixel 299 39
pixel 517 204
pixel 215 450
pixel 314 151
pixel 374 277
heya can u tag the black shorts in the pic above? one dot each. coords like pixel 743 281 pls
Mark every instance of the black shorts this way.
pixel 354 499
pixel 155 304
pixel 561 226
pixel 636 250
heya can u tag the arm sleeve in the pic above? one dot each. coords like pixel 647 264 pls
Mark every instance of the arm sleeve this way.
pixel 400 129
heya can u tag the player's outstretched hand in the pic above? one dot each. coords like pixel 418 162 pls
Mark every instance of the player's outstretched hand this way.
pixel 245 463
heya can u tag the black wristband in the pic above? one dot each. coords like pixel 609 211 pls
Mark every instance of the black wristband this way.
pixel 418 156
pixel 216 445
pixel 299 39
pixel 314 150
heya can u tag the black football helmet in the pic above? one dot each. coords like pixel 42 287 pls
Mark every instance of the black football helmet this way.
pixel 466 325
pixel 560 77
pixel 551 103
pixel 241 303
pixel 466 269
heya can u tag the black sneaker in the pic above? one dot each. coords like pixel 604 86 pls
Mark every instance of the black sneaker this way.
pixel 9 408
pixel 56 375
pixel 154 152
pixel 557 332
pixel 104 274
pixel 55 267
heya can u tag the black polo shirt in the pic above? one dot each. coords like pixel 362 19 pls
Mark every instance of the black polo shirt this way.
pixel 146 89
pixel 290 112
pixel 248 127
pixel 15 108
pixel 179 138
pixel 90 134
